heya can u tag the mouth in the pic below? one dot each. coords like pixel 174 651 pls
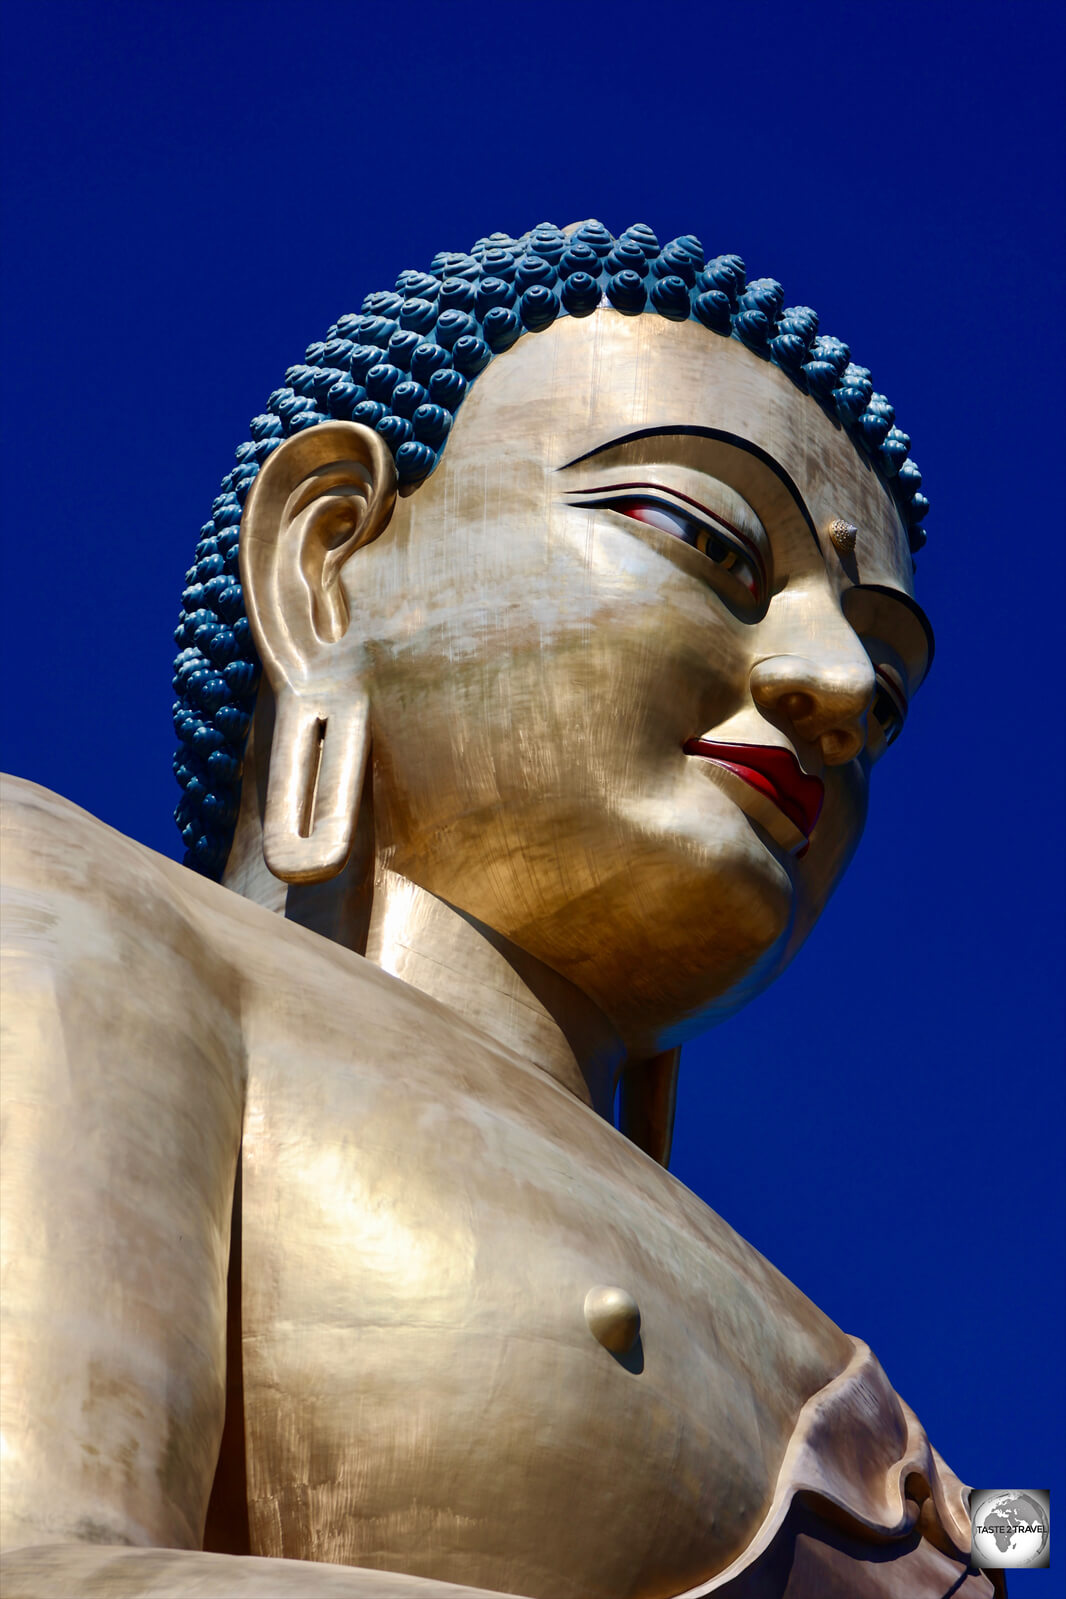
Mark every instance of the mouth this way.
pixel 773 772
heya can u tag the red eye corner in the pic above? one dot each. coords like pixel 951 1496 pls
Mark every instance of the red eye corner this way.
pixel 656 516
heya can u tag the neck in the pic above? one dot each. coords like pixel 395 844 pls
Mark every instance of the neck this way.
pixel 444 952
pixel 516 999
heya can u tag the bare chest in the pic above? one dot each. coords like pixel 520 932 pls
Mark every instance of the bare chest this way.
pixel 422 1224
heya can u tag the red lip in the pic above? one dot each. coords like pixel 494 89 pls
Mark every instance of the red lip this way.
pixel 773 771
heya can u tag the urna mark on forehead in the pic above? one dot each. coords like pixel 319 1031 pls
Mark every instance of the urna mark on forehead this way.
pixel 405 363
pixel 671 393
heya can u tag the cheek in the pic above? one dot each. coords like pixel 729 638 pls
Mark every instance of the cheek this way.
pixel 528 738
pixel 633 658
pixel 577 677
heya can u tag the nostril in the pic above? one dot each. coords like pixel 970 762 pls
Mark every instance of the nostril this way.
pixel 796 706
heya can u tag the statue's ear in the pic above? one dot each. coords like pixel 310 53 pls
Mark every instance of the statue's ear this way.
pixel 320 496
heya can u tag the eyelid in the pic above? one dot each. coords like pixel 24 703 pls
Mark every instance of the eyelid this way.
pixel 622 490
pixel 891 688
pixel 895 685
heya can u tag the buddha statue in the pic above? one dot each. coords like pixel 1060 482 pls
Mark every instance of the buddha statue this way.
pixel 533 668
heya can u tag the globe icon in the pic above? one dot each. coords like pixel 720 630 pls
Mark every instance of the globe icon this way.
pixel 1010 1529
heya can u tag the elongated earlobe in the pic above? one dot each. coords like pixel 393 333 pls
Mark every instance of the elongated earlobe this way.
pixel 317 764
pixel 321 497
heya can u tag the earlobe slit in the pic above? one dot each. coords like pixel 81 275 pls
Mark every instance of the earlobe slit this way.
pixel 307 820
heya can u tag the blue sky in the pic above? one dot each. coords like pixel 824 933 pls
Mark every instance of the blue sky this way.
pixel 194 191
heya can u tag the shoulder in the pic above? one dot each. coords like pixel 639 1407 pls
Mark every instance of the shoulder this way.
pixel 52 847
pixel 103 939
pixel 50 840
pixel 73 884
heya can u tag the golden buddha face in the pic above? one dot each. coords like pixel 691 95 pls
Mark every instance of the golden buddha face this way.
pixel 624 688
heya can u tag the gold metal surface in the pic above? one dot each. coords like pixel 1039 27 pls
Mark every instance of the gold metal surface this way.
pixel 481 1337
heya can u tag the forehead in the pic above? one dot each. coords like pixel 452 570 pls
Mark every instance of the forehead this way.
pixel 572 389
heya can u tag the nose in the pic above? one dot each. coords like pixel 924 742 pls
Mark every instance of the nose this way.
pixel 824 697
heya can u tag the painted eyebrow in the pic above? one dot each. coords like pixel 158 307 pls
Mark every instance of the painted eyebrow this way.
pixel 717 435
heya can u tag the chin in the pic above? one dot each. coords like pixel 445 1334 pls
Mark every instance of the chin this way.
pixel 692 926
pixel 714 873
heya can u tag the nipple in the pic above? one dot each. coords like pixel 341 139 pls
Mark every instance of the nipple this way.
pixel 613 1318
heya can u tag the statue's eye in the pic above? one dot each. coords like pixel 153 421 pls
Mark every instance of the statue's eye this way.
pixel 726 546
pixel 888 712
pixel 701 535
